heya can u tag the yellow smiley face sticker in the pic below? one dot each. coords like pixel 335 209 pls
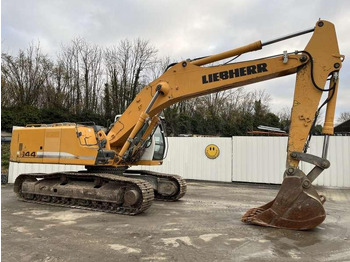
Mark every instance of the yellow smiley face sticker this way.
pixel 212 151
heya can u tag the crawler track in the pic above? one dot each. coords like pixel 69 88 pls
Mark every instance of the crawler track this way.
pixel 45 193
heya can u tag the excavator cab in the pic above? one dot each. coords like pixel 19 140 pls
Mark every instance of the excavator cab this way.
pixel 157 145
pixel 160 144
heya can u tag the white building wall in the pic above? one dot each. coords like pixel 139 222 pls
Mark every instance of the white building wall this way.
pixel 244 159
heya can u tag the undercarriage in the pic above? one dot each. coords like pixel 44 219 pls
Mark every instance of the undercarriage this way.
pixel 123 192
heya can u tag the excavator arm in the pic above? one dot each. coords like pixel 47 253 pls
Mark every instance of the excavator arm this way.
pixel 297 205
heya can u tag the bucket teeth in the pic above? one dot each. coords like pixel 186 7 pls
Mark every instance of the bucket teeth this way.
pixel 296 206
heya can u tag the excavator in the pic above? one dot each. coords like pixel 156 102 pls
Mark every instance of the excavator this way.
pixel 137 137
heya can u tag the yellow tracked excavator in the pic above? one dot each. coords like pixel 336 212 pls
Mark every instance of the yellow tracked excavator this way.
pixel 137 137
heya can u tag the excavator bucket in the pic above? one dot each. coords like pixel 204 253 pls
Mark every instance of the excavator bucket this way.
pixel 297 205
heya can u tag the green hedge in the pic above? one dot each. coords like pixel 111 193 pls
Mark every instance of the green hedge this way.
pixel 21 116
pixel 5 157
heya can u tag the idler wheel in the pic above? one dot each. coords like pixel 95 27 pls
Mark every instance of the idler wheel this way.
pixel 131 197
pixel 167 188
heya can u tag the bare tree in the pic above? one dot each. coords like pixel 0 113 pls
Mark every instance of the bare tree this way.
pixel 285 113
pixel 159 66
pixel 115 91
pixel 126 67
pixel 69 60
pixel 344 116
pixel 82 80
pixel 91 57
pixel 23 77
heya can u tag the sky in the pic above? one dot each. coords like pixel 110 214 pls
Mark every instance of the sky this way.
pixel 181 29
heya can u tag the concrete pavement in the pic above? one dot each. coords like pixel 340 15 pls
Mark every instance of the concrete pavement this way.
pixel 203 226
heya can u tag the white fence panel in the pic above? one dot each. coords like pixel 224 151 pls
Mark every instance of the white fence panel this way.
pixel 338 174
pixel 186 157
pixel 244 159
pixel 258 159
pixel 16 169
pixel 263 159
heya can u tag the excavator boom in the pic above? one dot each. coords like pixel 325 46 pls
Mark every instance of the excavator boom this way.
pixel 129 141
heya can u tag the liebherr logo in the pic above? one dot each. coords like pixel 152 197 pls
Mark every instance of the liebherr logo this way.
pixel 238 72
